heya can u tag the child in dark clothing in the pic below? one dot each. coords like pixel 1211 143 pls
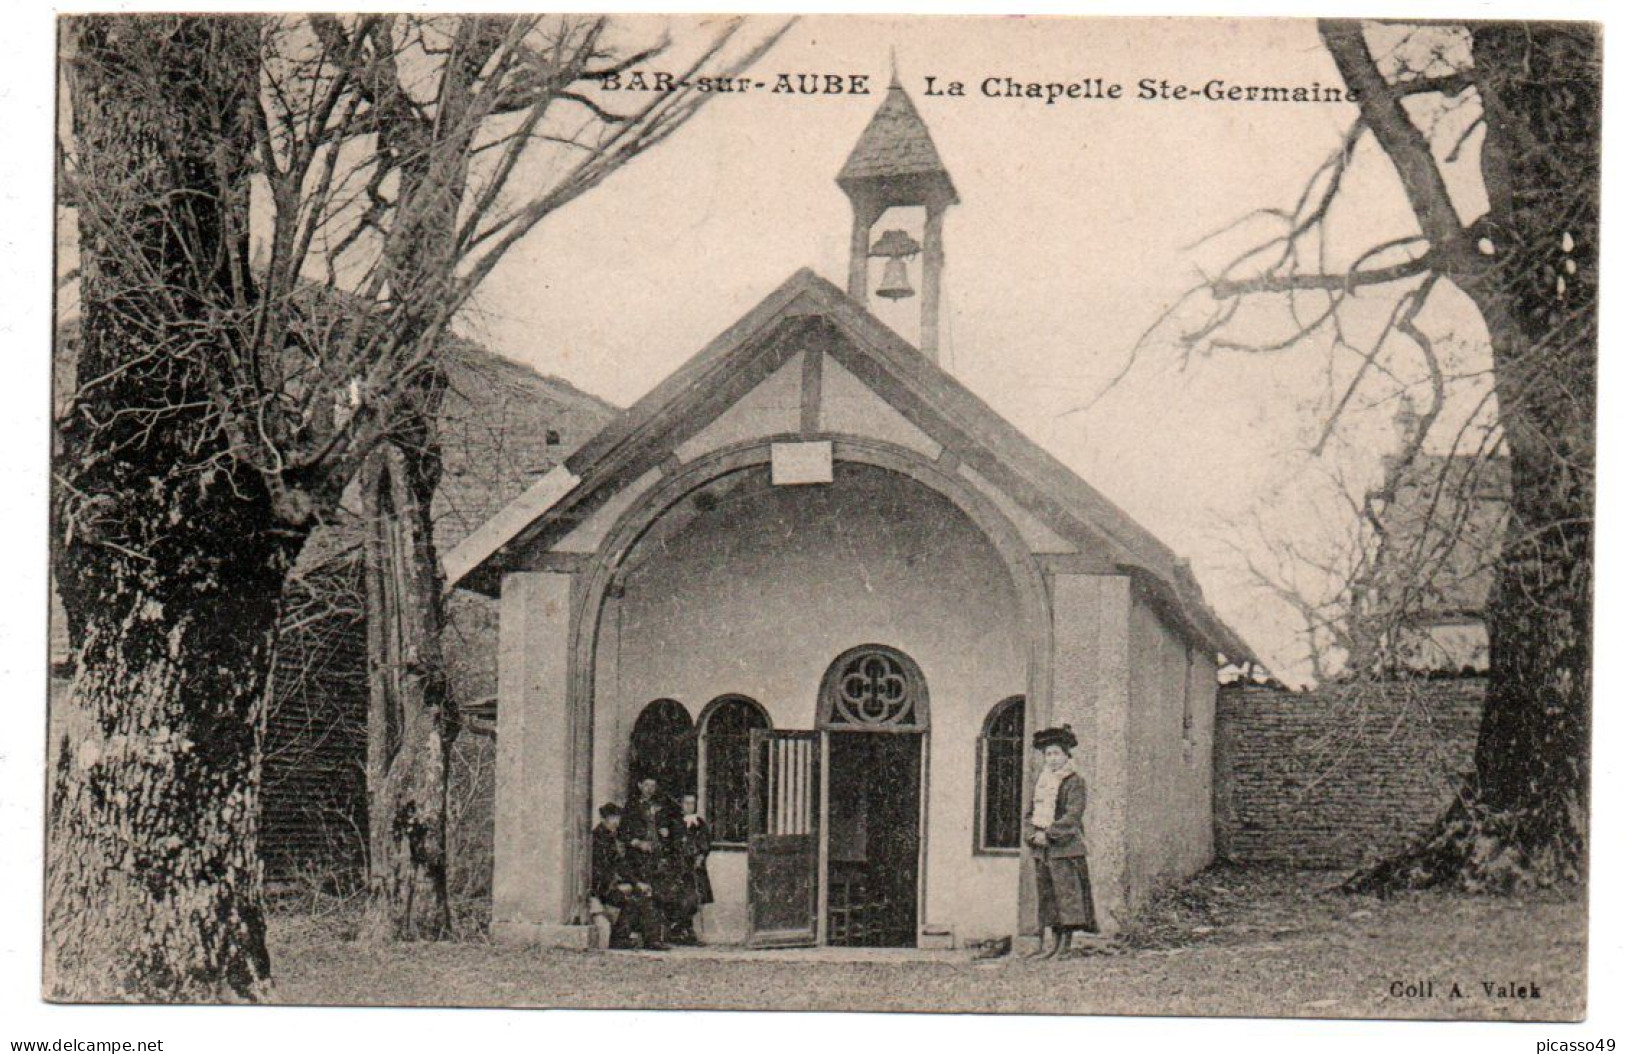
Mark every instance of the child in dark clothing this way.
pixel 621 886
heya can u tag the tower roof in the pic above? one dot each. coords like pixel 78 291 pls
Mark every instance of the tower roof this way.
pixel 895 155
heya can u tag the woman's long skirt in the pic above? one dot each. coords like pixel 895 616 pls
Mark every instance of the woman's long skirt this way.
pixel 1064 897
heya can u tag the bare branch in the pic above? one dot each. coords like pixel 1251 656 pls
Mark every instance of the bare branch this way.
pixel 1348 282
pixel 1381 105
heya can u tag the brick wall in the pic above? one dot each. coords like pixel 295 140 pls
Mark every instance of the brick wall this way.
pixel 313 797
pixel 1338 776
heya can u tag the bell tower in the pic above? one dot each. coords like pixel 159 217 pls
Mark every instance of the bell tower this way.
pixel 895 165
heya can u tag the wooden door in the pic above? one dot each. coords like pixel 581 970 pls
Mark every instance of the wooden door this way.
pixel 782 862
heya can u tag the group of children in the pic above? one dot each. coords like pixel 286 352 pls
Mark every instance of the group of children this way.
pixel 649 873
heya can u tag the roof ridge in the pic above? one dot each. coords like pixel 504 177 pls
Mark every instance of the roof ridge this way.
pixel 490 356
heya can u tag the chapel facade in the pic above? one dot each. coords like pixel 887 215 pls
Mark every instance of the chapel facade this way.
pixel 815 580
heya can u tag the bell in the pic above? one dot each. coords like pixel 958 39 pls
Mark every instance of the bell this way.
pixel 894 280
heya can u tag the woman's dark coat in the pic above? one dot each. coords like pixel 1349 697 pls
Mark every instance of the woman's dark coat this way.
pixel 1065 835
pixel 1065 899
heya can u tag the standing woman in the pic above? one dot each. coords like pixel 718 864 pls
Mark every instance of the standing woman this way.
pixel 1055 832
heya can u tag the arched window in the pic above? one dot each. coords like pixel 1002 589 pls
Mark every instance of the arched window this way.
pixel 725 745
pixel 999 752
pixel 663 747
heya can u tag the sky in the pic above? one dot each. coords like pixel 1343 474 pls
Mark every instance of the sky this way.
pixel 1075 232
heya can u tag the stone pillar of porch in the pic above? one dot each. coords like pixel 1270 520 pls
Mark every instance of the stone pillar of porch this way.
pixel 1091 693
pixel 538 839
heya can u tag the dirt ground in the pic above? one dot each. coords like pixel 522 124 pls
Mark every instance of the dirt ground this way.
pixel 1232 942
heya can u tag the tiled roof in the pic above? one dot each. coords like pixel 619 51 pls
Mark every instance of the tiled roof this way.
pixel 503 427
pixel 896 144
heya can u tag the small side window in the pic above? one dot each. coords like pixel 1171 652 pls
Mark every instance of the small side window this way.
pixel 999 753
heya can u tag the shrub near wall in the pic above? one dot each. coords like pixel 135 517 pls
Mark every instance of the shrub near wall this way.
pixel 470 816
pixel 1341 775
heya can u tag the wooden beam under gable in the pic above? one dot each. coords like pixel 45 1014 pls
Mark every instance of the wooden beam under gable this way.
pixel 812 388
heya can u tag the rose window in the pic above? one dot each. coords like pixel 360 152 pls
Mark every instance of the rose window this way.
pixel 874 687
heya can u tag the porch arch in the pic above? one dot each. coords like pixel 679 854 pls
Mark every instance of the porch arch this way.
pixel 603 576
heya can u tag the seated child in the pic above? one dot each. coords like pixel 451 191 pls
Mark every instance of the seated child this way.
pixel 620 886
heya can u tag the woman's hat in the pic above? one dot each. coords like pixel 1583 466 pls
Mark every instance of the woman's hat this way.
pixel 1059 737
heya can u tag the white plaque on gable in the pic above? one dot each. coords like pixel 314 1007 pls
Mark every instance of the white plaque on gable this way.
pixel 796 463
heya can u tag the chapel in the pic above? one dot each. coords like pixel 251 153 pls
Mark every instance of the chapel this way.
pixel 813 579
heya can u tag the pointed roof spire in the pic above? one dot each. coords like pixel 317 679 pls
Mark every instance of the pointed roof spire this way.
pixel 896 156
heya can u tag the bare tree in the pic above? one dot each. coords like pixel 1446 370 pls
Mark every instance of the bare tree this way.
pixel 1523 100
pixel 226 398
pixel 1369 558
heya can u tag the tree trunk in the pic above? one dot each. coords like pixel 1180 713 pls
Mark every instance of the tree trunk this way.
pixel 1521 818
pixel 153 887
pixel 168 558
pixel 410 723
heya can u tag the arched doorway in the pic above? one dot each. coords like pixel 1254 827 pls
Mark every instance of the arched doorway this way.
pixel 665 747
pixel 875 709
